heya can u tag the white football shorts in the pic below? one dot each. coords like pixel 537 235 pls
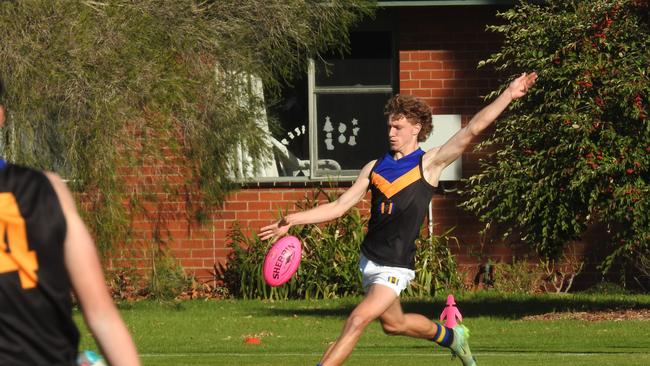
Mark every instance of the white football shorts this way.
pixel 396 278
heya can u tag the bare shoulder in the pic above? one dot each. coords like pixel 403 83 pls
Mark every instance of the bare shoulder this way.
pixel 56 182
pixel 364 174
pixel 62 191
pixel 363 180
pixel 368 167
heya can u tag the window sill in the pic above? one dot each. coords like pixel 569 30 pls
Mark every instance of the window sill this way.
pixel 290 182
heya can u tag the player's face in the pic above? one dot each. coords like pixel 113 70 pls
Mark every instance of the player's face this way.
pixel 402 133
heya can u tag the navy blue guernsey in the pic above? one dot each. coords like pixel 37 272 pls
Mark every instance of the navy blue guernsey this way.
pixel 36 326
pixel 400 199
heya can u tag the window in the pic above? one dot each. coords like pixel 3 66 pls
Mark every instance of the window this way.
pixel 332 118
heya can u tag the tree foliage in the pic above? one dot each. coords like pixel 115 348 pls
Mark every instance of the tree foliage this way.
pixel 575 150
pixel 92 87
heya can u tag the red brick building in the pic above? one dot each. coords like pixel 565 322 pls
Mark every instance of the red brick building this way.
pixel 334 124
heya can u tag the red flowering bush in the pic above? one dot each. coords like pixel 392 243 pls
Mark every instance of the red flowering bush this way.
pixel 575 150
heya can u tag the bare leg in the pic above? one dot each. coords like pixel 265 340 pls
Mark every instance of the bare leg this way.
pixel 327 352
pixel 395 322
pixel 377 300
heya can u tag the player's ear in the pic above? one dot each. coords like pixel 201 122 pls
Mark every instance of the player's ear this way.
pixel 416 129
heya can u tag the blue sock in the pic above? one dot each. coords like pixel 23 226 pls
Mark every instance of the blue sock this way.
pixel 444 336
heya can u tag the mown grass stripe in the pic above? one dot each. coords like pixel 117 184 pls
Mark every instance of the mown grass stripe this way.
pixel 310 354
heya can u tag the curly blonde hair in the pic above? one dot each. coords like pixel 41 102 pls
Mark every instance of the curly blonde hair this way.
pixel 414 109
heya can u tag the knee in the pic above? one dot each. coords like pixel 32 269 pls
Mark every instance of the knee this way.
pixel 357 323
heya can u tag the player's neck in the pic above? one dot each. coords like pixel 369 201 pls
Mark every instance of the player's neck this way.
pixel 404 151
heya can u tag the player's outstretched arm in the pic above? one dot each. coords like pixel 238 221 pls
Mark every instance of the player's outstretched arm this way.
pixel 87 279
pixel 324 212
pixel 437 159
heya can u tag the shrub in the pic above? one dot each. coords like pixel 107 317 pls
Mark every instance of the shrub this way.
pixel 642 264
pixel 435 267
pixel 607 288
pixel 125 285
pixel 519 277
pixel 574 151
pixel 167 278
pixel 558 276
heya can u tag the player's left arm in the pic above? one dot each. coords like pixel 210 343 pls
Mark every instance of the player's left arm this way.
pixel 436 159
pixel 87 278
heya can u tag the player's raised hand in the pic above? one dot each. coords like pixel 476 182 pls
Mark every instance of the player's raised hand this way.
pixel 519 87
pixel 275 230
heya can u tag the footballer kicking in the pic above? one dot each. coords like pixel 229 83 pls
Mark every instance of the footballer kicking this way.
pixel 402 183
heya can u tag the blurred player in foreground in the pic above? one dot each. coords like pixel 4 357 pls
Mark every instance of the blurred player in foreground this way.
pixel 45 252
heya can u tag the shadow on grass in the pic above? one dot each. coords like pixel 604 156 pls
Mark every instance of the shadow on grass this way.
pixel 506 307
pixel 516 308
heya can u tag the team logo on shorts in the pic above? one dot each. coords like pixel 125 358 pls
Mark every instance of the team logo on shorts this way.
pixel 393 280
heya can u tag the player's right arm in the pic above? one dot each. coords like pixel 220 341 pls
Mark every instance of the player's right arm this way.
pixel 87 280
pixel 325 212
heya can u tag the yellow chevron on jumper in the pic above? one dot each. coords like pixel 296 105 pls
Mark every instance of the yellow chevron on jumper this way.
pixel 390 189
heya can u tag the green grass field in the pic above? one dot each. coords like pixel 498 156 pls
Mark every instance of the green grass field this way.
pixel 297 332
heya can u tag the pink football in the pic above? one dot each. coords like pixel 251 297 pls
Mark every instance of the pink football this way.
pixel 282 261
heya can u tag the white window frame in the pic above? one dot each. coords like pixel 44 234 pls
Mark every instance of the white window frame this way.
pixel 313 91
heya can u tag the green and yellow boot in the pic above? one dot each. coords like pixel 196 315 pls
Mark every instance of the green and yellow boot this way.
pixel 460 348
